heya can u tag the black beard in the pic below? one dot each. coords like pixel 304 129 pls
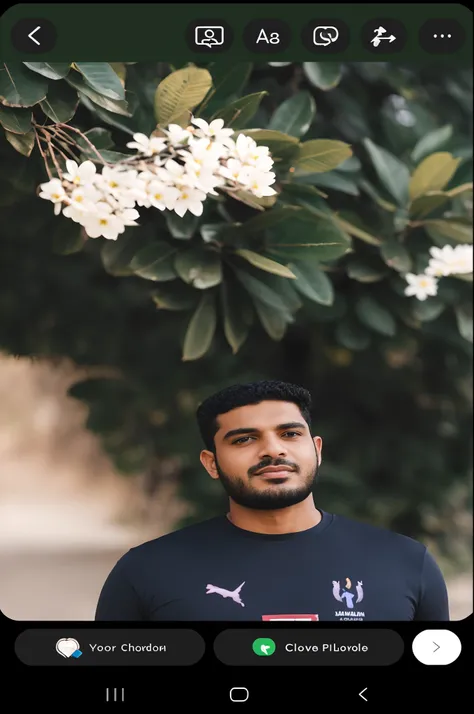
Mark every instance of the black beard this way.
pixel 270 500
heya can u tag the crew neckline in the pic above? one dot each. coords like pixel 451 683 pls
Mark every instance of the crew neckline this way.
pixel 326 520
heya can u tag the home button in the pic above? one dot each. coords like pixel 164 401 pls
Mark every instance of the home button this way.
pixel 239 694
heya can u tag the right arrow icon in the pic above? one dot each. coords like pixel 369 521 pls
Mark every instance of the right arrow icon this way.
pixel 361 694
pixel 436 647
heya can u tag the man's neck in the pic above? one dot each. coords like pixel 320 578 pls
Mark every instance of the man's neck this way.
pixel 300 517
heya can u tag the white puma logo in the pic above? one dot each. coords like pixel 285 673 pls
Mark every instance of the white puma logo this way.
pixel 234 594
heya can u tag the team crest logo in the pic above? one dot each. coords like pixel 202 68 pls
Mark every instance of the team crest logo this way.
pixel 350 596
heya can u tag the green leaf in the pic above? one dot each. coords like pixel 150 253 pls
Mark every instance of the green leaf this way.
pixel 112 105
pixel 295 115
pixel 433 174
pixel 180 91
pixel 237 114
pixel 155 262
pixel 268 220
pixel 433 141
pixel 375 195
pixel 396 256
pixel 456 230
pixel 273 322
pixel 355 228
pixel 107 117
pixel 61 103
pixel 102 78
pixel 375 316
pixel 308 236
pixel 182 228
pixel 19 87
pixel 23 143
pixel 259 290
pixel 201 329
pixel 199 267
pixel 365 272
pixel 320 155
pixel 236 327
pixel 278 142
pixel 100 137
pixel 331 180
pixel 116 255
pixel 51 70
pixel 424 205
pixel 351 335
pixel 313 283
pixel 323 75
pixel 259 261
pixel 428 310
pixel 228 79
pixel 393 174
pixel 175 296
pixel 18 121
pixel 307 197
pixel 464 321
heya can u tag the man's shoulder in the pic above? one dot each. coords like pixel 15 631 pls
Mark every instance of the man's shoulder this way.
pixel 377 536
pixel 170 543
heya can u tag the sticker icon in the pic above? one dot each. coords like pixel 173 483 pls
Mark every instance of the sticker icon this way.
pixel 68 647
pixel 264 646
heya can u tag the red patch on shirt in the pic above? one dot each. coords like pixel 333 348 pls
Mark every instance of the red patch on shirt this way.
pixel 290 618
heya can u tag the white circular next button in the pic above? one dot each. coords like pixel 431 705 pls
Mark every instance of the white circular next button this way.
pixel 436 647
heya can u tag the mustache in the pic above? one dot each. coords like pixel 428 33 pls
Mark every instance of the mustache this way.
pixel 272 462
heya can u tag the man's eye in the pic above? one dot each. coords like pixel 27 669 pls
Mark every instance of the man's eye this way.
pixel 291 433
pixel 242 440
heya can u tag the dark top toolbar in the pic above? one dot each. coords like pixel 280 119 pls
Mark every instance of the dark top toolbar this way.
pixel 182 32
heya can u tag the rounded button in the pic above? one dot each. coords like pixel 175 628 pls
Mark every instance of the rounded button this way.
pixel 239 694
pixel 436 647
pixel 34 35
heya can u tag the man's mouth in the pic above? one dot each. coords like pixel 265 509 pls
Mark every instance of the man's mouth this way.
pixel 275 470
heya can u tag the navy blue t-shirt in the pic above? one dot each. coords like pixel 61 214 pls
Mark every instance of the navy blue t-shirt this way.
pixel 338 570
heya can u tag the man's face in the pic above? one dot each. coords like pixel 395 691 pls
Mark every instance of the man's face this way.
pixel 265 456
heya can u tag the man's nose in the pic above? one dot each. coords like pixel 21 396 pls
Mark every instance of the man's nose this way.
pixel 273 447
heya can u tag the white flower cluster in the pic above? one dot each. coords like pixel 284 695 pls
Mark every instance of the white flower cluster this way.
pixel 444 261
pixel 175 172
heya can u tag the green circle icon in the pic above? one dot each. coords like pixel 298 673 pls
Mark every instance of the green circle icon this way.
pixel 264 647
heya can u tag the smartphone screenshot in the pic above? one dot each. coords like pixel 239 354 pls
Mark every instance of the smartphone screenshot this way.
pixel 236 327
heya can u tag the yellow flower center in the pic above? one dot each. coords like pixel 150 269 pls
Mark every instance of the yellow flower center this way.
pixel 79 199
pixel 113 184
pixel 184 196
pixel 423 283
pixel 158 196
pixel 56 196
pixel 103 221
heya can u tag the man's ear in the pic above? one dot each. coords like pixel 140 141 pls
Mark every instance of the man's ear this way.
pixel 318 445
pixel 208 460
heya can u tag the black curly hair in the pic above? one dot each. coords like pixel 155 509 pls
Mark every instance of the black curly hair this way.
pixel 240 395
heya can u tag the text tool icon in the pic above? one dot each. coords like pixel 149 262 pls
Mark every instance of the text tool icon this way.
pixel 68 647
pixel 264 647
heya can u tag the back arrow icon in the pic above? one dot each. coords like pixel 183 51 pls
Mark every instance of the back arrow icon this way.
pixel 33 32
pixel 361 694
pixel 437 646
